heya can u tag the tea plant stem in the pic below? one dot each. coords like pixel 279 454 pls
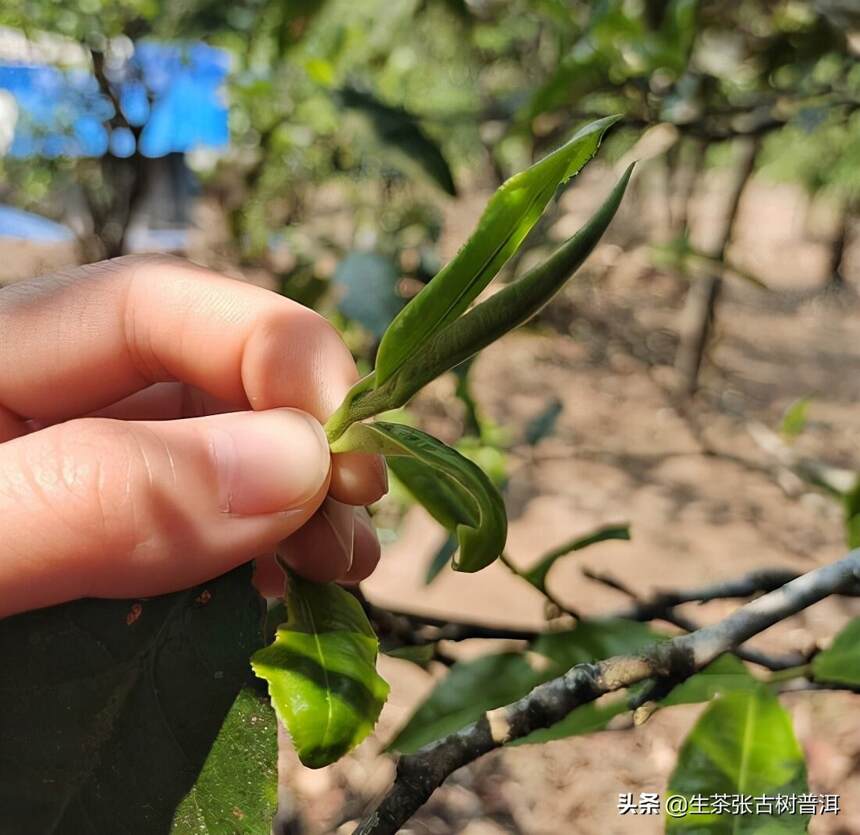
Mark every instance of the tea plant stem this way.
pixel 420 774
pixel 563 608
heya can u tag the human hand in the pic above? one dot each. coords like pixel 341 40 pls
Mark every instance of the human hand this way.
pixel 131 462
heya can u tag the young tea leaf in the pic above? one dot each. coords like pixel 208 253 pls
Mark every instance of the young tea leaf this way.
pixel 509 216
pixel 743 744
pixel 493 318
pixel 794 418
pixel 456 492
pixel 840 663
pixel 321 671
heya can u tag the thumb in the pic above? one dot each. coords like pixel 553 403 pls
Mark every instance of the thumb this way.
pixel 110 508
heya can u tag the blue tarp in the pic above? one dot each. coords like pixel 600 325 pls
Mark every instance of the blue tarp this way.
pixel 15 223
pixel 174 91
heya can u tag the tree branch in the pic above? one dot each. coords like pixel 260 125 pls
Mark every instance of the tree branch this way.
pixel 419 774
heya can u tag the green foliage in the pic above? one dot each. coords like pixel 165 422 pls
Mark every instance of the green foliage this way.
pixel 840 663
pixel 368 285
pixel 743 744
pixel 455 491
pixel 851 515
pixel 723 675
pixel 537 574
pixel 472 687
pixel 115 706
pixel 236 792
pixel 321 672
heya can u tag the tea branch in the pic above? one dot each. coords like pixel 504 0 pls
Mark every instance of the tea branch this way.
pixel 420 774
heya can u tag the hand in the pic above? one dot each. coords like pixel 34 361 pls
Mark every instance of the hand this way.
pixel 159 425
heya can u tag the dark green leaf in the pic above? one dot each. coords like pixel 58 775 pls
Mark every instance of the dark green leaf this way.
pixel 108 709
pixel 840 663
pixel 455 491
pixel 369 290
pixel 743 744
pixel 401 133
pixel 321 672
pixel 851 514
pixel 538 573
pixel 543 425
pixel 472 687
pixel 421 655
pixel 237 790
pixel 509 216
pixel 440 559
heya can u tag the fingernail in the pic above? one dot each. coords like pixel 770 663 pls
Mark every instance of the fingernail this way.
pixel 341 519
pixel 268 462
pixel 383 476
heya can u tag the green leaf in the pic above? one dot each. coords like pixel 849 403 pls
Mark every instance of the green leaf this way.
pixel 456 492
pixel 237 790
pixel 368 282
pixel 509 216
pixel 743 744
pixel 512 306
pixel 408 145
pixel 537 574
pixel 472 687
pixel 421 654
pixel 321 672
pixel 543 424
pixel 726 674
pixel 440 559
pixel 840 663
pixel 851 514
pixel 794 418
pixel 109 709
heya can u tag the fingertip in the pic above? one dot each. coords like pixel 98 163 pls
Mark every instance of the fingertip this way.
pixel 358 478
pixel 269 577
pixel 366 549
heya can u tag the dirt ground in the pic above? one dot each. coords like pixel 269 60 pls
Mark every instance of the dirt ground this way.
pixel 622 452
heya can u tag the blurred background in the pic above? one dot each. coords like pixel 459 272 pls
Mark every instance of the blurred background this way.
pixel 699 379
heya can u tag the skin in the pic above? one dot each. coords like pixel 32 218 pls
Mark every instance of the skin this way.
pixel 161 424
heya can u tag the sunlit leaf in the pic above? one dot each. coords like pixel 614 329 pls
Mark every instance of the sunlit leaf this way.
pixel 723 675
pixel 794 419
pixel 509 216
pixel 456 492
pixel 743 744
pixel 321 672
pixel 237 790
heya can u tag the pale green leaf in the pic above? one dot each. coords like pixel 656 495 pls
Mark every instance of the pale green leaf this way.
pixel 840 663
pixel 321 671
pixel 456 492
pixel 794 418
pixel 509 216
pixel 743 744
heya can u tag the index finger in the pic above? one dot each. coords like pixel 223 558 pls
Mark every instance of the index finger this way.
pixel 74 343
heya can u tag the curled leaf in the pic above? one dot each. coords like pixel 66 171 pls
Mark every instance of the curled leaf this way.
pixel 508 218
pixel 321 671
pixel 456 492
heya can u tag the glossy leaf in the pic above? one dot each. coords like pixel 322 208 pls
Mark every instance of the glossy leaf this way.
pixel 537 574
pixel 472 687
pixel 321 672
pixel 511 307
pixel 456 492
pixel 237 790
pixel 840 663
pixel 743 744
pixel 109 709
pixel 509 216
